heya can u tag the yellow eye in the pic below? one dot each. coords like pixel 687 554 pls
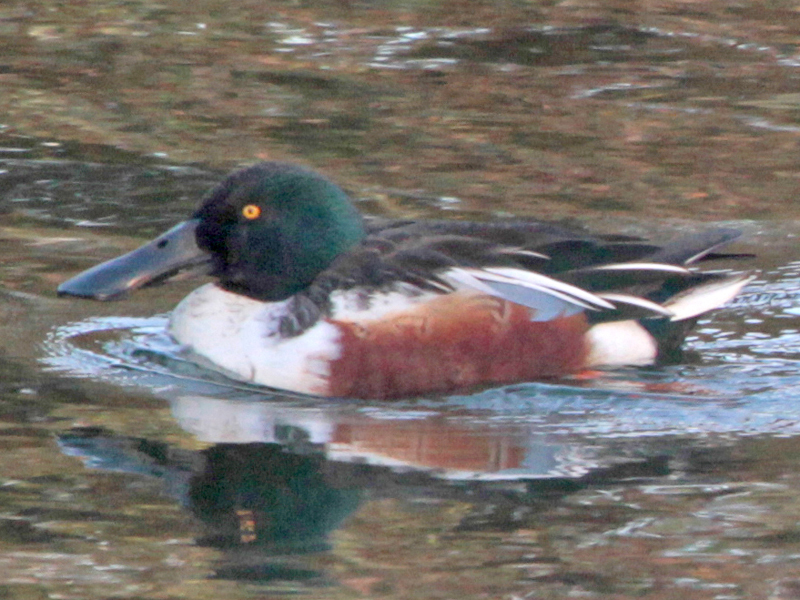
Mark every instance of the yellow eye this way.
pixel 251 211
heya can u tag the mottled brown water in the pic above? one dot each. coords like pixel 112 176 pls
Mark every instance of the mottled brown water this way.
pixel 128 474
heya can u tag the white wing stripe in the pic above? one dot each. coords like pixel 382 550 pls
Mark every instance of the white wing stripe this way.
pixel 638 301
pixel 480 279
pixel 522 252
pixel 703 298
pixel 465 277
pixel 641 267
pixel 542 283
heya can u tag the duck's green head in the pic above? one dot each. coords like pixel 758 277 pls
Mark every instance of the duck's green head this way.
pixel 272 228
pixel 266 232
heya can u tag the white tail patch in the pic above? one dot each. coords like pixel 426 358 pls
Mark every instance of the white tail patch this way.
pixel 706 297
pixel 620 343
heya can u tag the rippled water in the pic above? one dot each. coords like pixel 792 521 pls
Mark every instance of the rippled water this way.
pixel 287 492
pixel 130 473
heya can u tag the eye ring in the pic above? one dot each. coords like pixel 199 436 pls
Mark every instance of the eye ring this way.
pixel 251 212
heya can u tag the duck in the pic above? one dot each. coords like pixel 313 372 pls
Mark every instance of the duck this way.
pixel 310 297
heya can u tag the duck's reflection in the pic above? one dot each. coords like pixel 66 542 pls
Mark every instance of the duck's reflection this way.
pixel 453 445
pixel 278 479
pixel 255 502
pixel 260 494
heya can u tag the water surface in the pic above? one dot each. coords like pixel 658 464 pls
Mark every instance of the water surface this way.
pixel 129 473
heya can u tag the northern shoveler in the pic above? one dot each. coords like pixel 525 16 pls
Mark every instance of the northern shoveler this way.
pixel 309 297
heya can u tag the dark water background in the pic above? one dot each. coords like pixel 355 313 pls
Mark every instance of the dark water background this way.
pixel 126 474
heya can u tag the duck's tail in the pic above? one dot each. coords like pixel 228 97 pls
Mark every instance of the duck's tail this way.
pixel 687 297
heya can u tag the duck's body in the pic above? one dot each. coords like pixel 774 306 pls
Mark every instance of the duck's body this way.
pixel 310 298
pixel 406 346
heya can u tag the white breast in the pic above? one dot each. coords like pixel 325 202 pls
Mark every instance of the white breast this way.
pixel 238 336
